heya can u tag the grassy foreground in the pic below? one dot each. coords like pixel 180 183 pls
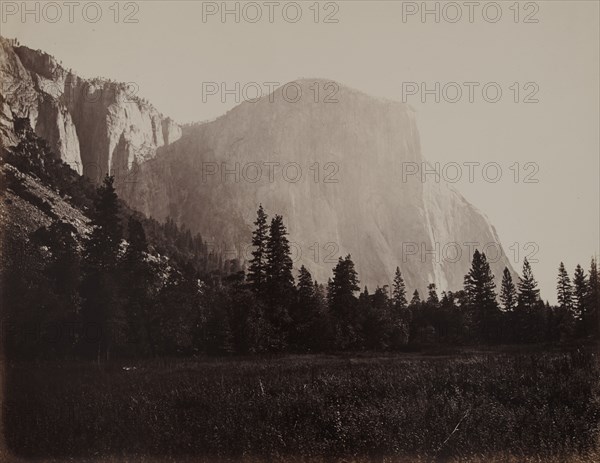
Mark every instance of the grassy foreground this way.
pixel 476 406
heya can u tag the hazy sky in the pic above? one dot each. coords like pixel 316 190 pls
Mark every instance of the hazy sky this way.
pixel 171 50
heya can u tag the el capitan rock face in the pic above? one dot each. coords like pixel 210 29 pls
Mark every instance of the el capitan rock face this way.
pixel 334 171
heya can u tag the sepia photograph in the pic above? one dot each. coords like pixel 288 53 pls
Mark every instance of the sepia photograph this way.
pixel 311 231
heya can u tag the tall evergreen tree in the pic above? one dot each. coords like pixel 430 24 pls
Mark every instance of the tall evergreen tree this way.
pixel 447 300
pixel 279 279
pixel 279 288
pixel 529 320
pixel 479 284
pixel 399 292
pixel 580 296
pixel 481 296
pixel 593 302
pixel 100 286
pixel 529 294
pixel 416 299
pixel 257 269
pixel 376 321
pixel 343 303
pixel 139 287
pixel 323 327
pixel 432 296
pixel 306 287
pixel 508 291
pixel 342 287
pixel 304 313
pixel 564 290
pixel 102 246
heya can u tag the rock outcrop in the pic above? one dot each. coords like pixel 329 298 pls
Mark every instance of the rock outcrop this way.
pixel 97 126
pixel 335 172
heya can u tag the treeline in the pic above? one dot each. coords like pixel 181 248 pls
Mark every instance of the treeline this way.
pixel 133 287
pixel 307 316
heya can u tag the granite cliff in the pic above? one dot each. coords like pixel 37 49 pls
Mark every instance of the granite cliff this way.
pixel 339 174
pixel 332 162
pixel 97 126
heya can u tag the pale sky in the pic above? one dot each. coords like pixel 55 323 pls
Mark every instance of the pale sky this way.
pixel 170 51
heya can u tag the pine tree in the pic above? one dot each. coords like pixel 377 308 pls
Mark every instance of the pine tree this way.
pixel 342 287
pixel 258 264
pixel 479 284
pixel 100 286
pixel 399 292
pixel 279 286
pixel 432 296
pixel 304 313
pixel 323 327
pixel 138 286
pixel 416 299
pixel 529 295
pixel 563 288
pixel 447 300
pixel 580 294
pixel 529 319
pixel 400 317
pixel 376 322
pixel 343 303
pixel 593 301
pixel 306 287
pixel 481 296
pixel 102 246
pixel 279 279
pixel 508 292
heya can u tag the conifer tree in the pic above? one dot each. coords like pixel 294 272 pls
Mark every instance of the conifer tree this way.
pixel 580 293
pixel 306 287
pixel 416 299
pixel 529 294
pixel 279 279
pixel 508 291
pixel 323 327
pixel 138 285
pixel 593 300
pixel 304 312
pixel 479 284
pixel 399 318
pixel 564 289
pixel 399 292
pixel 100 287
pixel 481 296
pixel 343 303
pixel 447 300
pixel 279 291
pixel 342 287
pixel 376 323
pixel 257 269
pixel 102 246
pixel 432 296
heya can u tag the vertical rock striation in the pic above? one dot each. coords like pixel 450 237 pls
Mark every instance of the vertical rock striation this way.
pixel 96 125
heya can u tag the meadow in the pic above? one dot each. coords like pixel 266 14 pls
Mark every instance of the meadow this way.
pixel 468 406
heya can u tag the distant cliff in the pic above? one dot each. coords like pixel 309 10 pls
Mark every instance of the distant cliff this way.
pixel 334 171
